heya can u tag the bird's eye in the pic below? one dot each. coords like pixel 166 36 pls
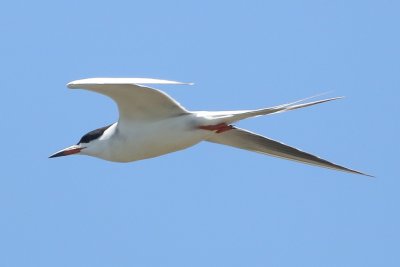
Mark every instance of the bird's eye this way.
pixel 92 135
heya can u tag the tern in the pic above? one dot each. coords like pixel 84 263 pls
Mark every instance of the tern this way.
pixel 151 124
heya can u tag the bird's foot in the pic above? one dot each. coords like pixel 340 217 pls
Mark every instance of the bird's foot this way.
pixel 218 128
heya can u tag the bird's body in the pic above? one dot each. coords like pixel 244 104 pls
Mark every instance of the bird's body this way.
pixel 151 124
pixel 138 141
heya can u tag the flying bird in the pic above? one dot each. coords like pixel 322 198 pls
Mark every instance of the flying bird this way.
pixel 151 123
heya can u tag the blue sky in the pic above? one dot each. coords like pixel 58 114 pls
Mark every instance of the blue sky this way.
pixel 209 205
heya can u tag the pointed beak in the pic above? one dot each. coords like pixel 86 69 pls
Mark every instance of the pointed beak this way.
pixel 67 151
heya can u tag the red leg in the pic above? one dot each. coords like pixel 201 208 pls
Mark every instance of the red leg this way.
pixel 218 128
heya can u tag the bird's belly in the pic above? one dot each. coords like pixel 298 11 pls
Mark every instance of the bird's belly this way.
pixel 155 139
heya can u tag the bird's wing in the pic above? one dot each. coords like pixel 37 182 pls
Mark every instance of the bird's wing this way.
pixel 135 101
pixel 250 141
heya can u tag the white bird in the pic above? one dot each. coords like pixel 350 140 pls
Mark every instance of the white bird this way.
pixel 151 124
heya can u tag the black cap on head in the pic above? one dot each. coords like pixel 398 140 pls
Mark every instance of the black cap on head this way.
pixel 92 135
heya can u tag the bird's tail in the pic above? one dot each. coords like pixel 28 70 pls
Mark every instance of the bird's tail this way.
pixel 234 116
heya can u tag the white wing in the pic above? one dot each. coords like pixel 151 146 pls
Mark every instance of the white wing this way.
pixel 250 141
pixel 135 102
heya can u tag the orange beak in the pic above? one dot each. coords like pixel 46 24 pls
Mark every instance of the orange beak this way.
pixel 67 151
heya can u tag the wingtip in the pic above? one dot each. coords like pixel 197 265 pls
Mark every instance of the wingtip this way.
pixel 360 173
pixel 70 85
pixel 368 175
pixel 180 83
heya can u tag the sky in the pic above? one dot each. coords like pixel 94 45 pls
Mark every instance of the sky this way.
pixel 208 205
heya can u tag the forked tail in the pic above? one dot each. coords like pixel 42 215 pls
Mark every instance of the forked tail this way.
pixel 237 115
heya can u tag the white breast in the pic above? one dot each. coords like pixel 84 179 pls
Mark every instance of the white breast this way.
pixel 136 141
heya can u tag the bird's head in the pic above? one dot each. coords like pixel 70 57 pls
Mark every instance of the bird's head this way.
pixel 87 145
